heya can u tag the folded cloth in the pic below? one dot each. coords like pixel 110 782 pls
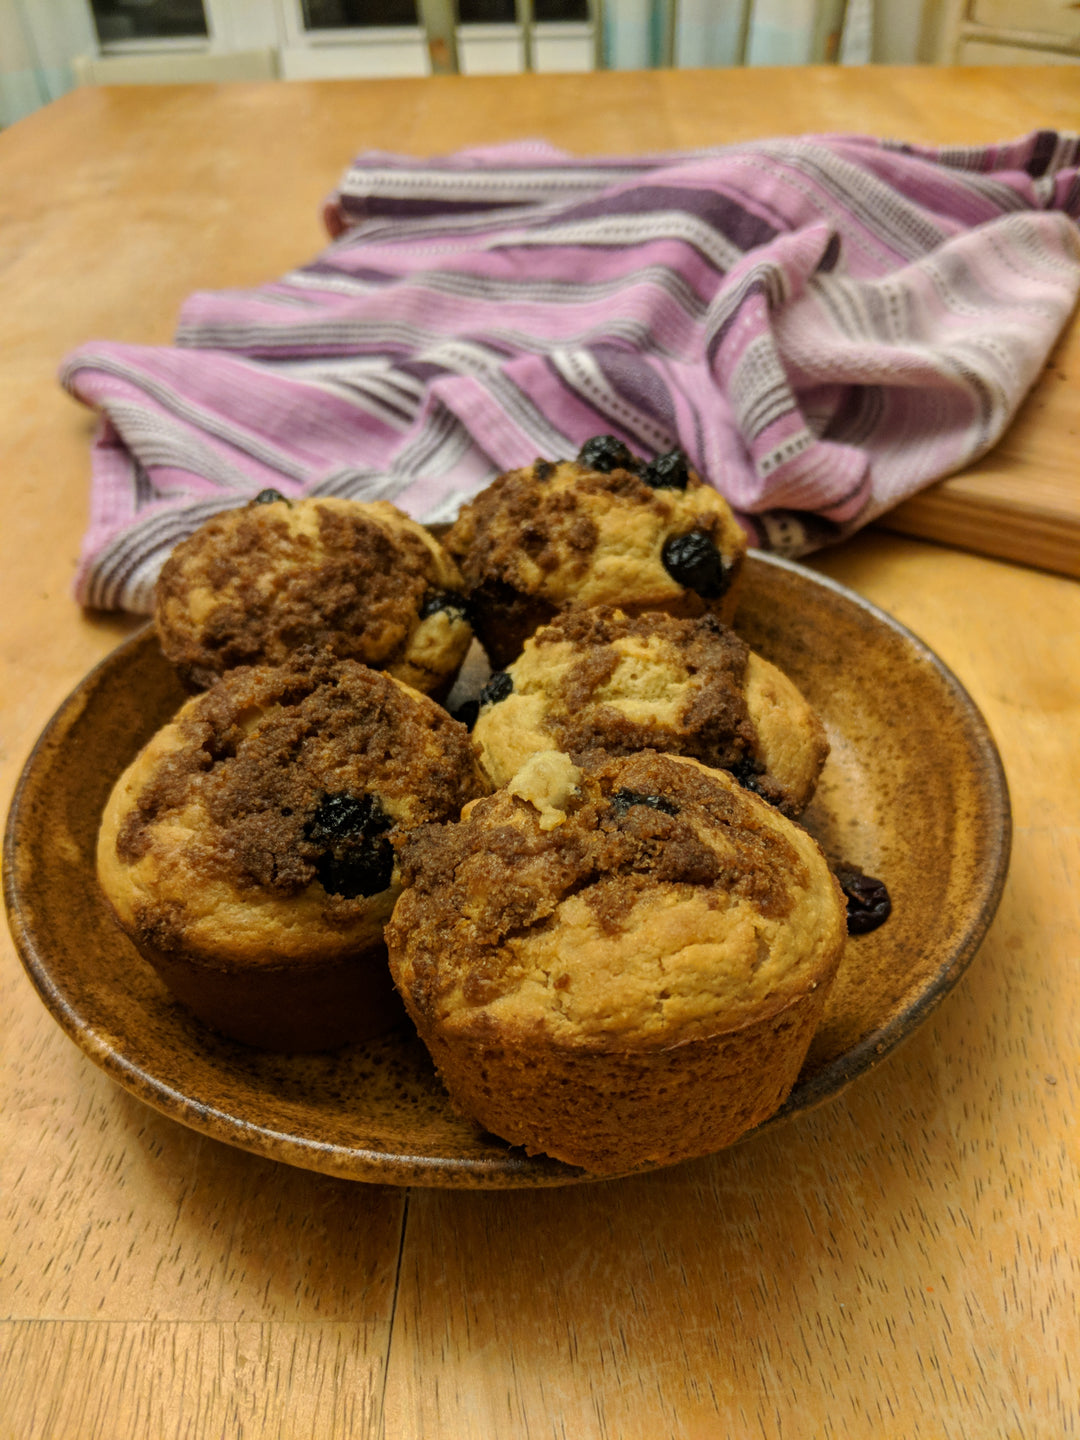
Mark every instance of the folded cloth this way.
pixel 822 324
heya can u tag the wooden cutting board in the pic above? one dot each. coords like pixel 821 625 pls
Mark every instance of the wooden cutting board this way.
pixel 1022 500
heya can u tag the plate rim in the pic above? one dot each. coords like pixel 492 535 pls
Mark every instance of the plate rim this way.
pixel 511 1169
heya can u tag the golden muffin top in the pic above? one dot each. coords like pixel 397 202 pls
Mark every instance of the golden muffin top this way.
pixel 604 529
pixel 362 580
pixel 265 813
pixel 597 678
pixel 631 901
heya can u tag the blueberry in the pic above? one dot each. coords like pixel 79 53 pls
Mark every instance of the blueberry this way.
pixel 543 470
pixel 667 472
pixel 694 561
pixel 622 800
pixel 497 688
pixel 746 772
pixel 269 497
pixel 868 902
pixel 446 600
pixel 366 872
pixel 356 856
pixel 606 453
pixel 466 713
pixel 341 816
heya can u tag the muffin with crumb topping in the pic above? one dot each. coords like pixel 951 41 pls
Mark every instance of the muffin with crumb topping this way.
pixel 363 580
pixel 604 529
pixel 248 851
pixel 598 679
pixel 621 964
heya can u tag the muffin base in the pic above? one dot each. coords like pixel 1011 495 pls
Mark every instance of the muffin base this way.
pixel 612 1110
pixel 302 1006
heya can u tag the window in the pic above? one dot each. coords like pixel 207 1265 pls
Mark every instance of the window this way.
pixel 339 14
pixel 117 21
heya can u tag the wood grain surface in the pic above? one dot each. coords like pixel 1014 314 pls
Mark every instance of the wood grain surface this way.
pixel 903 1262
pixel 1022 500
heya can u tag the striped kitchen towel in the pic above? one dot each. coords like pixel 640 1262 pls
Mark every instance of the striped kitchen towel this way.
pixel 823 324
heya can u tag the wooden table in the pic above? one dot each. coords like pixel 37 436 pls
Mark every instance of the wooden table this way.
pixel 900 1263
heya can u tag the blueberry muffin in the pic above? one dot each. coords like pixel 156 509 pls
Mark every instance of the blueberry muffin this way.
pixel 619 965
pixel 597 679
pixel 248 849
pixel 363 580
pixel 604 529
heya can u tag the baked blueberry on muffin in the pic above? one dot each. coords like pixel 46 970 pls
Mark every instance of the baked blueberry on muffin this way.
pixel 604 529
pixel 597 679
pixel 248 849
pixel 618 965
pixel 363 580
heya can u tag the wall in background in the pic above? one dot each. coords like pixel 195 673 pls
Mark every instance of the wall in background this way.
pixel 39 41
pixel 898 29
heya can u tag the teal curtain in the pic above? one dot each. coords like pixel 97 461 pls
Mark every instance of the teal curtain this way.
pixel 38 39
pixel 640 34
pixel 634 33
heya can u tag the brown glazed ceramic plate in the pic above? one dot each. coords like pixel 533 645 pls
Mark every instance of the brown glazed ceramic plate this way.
pixel 913 792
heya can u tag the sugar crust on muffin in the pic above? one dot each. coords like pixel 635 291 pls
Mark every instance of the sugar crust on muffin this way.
pixel 598 679
pixel 361 579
